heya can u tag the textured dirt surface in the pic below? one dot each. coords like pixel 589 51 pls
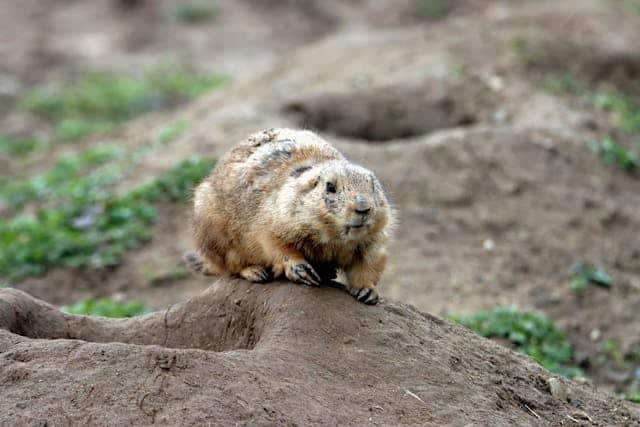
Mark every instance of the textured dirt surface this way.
pixel 497 192
pixel 278 354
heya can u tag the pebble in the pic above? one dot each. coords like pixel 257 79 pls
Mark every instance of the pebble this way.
pixel 558 389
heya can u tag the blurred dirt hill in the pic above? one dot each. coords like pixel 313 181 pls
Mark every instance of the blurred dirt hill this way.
pixel 469 119
pixel 277 354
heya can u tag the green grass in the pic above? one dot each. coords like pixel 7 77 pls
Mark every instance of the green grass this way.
pixel 87 225
pixel 528 51
pixel 172 132
pixel 633 397
pixel 18 147
pixel 563 84
pixel 531 332
pixel 71 177
pixel 632 5
pixel 106 307
pixel 99 102
pixel 583 275
pixel 192 13
pixel 624 109
pixel 613 153
pixel 154 276
pixel 624 114
pixel 433 9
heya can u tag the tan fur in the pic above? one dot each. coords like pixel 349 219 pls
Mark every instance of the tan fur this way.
pixel 267 210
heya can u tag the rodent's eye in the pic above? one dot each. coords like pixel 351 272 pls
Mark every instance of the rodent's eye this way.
pixel 331 187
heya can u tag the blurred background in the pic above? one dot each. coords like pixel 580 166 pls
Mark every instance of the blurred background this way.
pixel 506 132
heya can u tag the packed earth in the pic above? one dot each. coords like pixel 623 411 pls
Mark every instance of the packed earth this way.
pixel 507 135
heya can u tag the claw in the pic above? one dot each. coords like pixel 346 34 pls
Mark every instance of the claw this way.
pixel 263 276
pixel 363 294
pixel 305 274
pixel 256 274
pixel 368 296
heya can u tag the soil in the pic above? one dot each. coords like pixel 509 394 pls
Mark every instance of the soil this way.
pixel 497 193
pixel 279 354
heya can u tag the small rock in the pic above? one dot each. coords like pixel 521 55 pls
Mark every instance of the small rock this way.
pixel 581 380
pixel 488 245
pixel 495 83
pixel 558 389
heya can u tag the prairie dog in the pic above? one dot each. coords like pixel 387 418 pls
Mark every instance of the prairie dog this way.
pixel 286 203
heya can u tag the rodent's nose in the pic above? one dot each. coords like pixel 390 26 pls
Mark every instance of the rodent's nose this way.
pixel 362 205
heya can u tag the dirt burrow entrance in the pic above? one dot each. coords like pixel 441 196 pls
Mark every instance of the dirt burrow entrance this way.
pixel 395 112
pixel 275 354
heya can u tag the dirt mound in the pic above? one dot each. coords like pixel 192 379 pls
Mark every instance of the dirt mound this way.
pixel 241 353
pixel 393 112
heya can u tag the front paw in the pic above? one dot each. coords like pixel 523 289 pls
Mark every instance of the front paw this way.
pixel 367 295
pixel 256 274
pixel 302 273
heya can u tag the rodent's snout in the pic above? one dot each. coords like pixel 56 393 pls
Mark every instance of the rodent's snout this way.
pixel 362 206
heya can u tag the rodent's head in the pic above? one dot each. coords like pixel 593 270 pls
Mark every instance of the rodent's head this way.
pixel 339 200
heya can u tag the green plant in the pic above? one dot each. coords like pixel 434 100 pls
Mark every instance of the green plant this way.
pixel 456 71
pixel 71 176
pixel 99 102
pixel 531 332
pixel 173 84
pixel 86 224
pixel 563 84
pixel 193 13
pixel 584 274
pixel 613 153
pixel 172 132
pixel 155 276
pixel 106 307
pixel 633 397
pixel 177 183
pixel 18 147
pixel 433 9
pixel 632 5
pixel 528 51
pixel 611 350
pixel 625 110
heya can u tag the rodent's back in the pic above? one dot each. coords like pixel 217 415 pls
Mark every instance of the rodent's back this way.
pixel 257 167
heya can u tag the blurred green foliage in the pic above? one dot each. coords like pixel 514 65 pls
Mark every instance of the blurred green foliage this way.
pixel 613 153
pixel 625 110
pixel 584 274
pixel 18 147
pixel 99 101
pixel 563 84
pixel 73 176
pixel 172 132
pixel 89 225
pixel 633 5
pixel 192 13
pixel 433 9
pixel 531 332
pixel 527 50
pixel 106 307
pixel 177 183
